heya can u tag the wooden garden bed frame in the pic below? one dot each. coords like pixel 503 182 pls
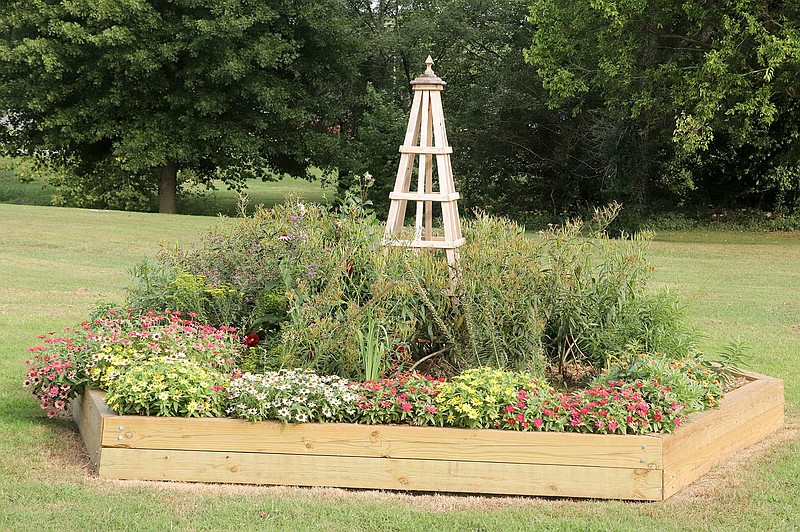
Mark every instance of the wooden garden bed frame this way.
pixel 649 468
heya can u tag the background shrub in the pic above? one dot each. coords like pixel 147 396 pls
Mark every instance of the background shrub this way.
pixel 317 288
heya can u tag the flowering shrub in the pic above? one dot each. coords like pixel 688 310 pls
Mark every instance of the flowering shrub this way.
pixel 163 364
pixel 291 396
pixel 164 386
pixel 488 398
pixel 613 408
pixel 405 398
pixel 689 379
pixel 479 398
pixel 53 376
pixel 303 277
pixel 100 351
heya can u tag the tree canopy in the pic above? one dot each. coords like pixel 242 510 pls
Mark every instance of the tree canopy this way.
pixel 551 105
pixel 141 88
pixel 679 96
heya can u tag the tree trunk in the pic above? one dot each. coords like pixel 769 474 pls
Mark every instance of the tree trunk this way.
pixel 168 188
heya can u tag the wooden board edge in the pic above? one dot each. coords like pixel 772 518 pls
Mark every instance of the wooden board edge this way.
pixel 380 441
pixel 679 473
pixel 384 473
pixel 89 423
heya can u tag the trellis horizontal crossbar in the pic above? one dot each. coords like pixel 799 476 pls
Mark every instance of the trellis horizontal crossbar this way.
pixel 429 150
pixel 434 243
pixel 418 196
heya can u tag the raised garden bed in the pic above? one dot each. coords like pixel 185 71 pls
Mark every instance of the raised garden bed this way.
pixel 650 468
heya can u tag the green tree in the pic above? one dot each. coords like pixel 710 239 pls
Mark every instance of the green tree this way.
pixel 688 97
pixel 507 150
pixel 127 92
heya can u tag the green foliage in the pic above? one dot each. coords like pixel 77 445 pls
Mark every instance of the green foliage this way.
pixel 118 93
pixel 697 99
pixel 595 299
pixel 164 386
pixel 690 379
pixel 500 318
pixel 321 292
pixel 509 155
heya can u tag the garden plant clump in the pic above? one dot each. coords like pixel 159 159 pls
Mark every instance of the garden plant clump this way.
pixel 298 314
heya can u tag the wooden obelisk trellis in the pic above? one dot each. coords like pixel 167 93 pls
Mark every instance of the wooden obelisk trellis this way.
pixel 427 138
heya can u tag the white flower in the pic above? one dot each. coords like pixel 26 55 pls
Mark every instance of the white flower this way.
pixel 301 417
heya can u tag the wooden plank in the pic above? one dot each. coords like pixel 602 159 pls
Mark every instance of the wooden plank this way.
pixel 86 410
pixel 392 441
pixel 383 473
pixel 438 244
pixel 681 473
pixel 435 196
pixel 430 150
pixel 745 416
pixel 424 162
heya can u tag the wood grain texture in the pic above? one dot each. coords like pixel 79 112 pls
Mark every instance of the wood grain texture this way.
pixel 382 441
pixel 428 458
pixel 388 473
pixel 90 412
pixel 746 416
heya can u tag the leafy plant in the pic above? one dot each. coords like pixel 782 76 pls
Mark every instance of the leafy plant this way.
pixel 689 379
pixel 163 386
pixel 291 396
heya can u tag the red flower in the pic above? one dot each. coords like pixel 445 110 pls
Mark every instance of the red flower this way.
pixel 251 340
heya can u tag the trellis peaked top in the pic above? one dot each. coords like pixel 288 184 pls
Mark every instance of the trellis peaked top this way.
pixel 426 137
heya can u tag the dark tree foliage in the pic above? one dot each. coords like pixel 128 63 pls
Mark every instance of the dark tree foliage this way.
pixel 127 92
pixel 512 152
pixel 692 100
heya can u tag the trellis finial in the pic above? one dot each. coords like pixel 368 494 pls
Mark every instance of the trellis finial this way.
pixel 429 65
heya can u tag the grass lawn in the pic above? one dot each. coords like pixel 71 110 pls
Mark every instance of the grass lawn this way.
pixel 56 263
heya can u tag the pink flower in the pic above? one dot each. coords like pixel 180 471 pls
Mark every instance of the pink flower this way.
pixel 612 426
pixel 431 409
pixel 537 422
pixel 406 407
